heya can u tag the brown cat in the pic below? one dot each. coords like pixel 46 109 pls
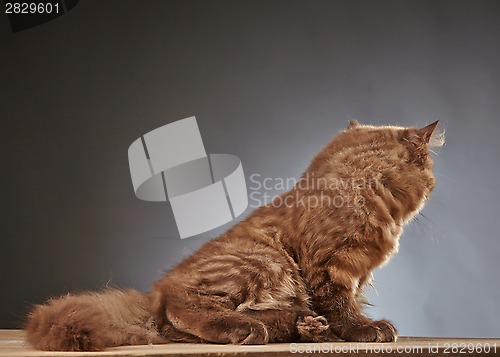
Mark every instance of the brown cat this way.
pixel 294 270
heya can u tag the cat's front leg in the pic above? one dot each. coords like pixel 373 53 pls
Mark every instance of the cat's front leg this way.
pixel 339 303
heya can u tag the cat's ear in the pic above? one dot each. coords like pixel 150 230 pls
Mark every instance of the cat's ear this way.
pixel 425 133
pixel 352 124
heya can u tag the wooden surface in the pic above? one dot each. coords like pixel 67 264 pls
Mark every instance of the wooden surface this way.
pixel 12 344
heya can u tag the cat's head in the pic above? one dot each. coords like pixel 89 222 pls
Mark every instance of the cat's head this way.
pixel 412 145
pixel 400 156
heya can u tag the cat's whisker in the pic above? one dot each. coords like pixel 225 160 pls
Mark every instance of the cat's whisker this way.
pixel 425 228
pixel 431 222
pixel 444 176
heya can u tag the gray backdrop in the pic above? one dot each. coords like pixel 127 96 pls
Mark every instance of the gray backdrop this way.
pixel 271 82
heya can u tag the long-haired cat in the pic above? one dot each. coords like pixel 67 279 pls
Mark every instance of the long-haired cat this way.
pixel 294 270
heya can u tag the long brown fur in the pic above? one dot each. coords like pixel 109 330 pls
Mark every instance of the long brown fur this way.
pixel 294 270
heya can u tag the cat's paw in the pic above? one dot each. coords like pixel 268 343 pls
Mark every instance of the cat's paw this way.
pixel 376 331
pixel 313 328
pixel 249 334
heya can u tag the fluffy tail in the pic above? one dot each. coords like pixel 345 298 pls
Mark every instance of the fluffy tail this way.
pixel 92 322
